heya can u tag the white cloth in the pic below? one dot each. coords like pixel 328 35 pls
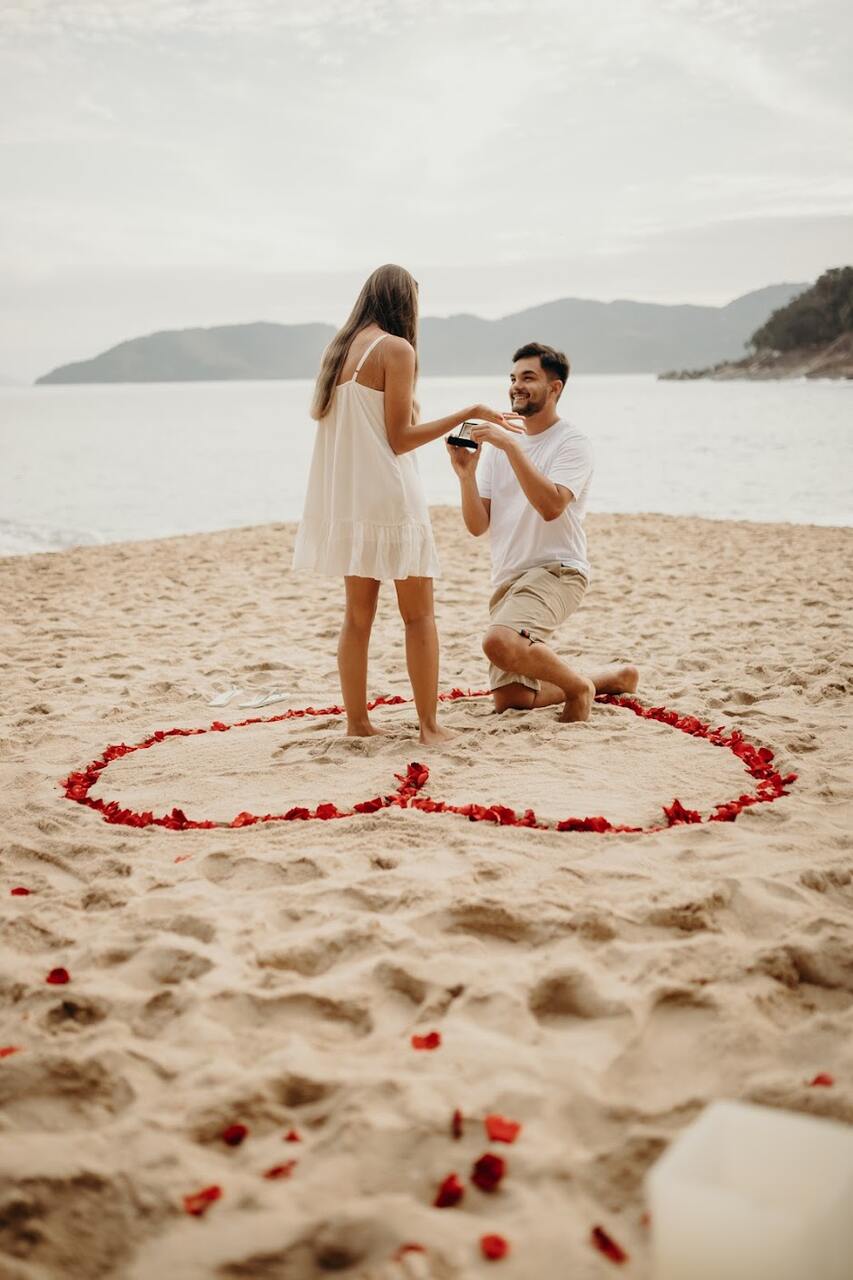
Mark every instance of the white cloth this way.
pixel 365 511
pixel 520 538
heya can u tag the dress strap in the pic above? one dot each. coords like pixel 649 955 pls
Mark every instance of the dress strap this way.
pixel 374 343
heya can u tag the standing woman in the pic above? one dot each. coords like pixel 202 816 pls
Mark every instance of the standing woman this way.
pixel 365 516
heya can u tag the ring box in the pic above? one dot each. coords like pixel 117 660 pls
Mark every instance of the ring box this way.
pixel 461 440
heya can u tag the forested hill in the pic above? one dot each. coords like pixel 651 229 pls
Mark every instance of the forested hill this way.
pixel 599 337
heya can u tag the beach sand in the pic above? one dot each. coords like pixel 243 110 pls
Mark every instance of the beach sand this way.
pixel 598 989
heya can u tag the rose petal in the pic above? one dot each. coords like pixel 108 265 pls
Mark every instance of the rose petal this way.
pixel 494 1247
pixel 200 1201
pixel 487 1172
pixel 292 1136
pixel 7 1050
pixel 409 1247
pixel 57 977
pixel 456 1124
pixel 234 1134
pixel 20 892
pixel 449 1193
pixel 281 1170
pixel 607 1245
pixel 431 1040
pixel 823 1079
pixel 500 1129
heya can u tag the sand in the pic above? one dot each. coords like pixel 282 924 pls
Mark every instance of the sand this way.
pixel 598 989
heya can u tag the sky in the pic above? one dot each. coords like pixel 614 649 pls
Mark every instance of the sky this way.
pixel 170 163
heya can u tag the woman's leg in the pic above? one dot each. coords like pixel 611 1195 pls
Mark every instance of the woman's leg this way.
pixel 361 597
pixel 414 598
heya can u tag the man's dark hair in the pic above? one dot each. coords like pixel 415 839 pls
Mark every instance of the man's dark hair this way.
pixel 555 363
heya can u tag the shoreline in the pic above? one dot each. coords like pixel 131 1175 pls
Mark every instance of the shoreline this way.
pixel 283 526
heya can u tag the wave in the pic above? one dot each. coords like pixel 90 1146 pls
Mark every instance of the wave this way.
pixel 17 539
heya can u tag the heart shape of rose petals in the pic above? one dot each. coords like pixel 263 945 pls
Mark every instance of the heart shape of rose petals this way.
pixel 770 784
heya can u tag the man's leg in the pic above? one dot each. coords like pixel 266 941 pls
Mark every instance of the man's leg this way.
pixel 615 679
pixel 560 683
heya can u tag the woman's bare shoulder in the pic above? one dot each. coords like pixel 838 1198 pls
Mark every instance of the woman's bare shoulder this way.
pixel 398 350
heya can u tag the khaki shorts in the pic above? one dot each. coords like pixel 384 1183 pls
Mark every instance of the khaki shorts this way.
pixel 534 604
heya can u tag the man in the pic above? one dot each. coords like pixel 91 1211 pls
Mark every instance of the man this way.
pixel 530 493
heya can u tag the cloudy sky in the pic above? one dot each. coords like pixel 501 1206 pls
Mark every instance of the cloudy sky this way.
pixel 166 163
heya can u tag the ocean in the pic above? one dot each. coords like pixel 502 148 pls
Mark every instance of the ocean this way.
pixel 106 463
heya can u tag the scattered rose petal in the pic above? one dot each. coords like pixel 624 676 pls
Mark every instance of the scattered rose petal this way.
pixel 9 1049
pixel 281 1170
pixel 20 892
pixel 607 1245
pixel 449 1193
pixel 200 1201
pixel 292 1136
pixel 487 1172
pixel 57 977
pixel 500 1129
pixel 456 1124
pixel 822 1080
pixel 234 1134
pixel 431 1040
pixel 494 1247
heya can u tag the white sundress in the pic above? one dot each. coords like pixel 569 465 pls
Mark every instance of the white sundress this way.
pixel 365 511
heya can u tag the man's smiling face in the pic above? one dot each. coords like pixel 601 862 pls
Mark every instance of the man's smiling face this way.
pixel 529 386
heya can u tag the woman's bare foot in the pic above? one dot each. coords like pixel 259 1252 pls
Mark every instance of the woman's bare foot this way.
pixel 435 735
pixel 362 729
pixel 616 679
pixel 578 704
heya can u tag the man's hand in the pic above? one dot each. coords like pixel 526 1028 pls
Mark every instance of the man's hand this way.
pixel 464 461
pixel 500 437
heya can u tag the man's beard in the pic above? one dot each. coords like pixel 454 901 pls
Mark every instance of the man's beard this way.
pixel 527 408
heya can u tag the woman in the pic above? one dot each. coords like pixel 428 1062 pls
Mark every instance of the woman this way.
pixel 365 514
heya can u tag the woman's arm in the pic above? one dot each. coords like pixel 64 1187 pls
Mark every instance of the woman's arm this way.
pixel 403 434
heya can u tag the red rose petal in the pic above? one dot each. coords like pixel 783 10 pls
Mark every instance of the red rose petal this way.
pixel 292 1136
pixel 607 1245
pixel 494 1247
pixel 500 1129
pixel 456 1124
pixel 200 1201
pixel 9 1049
pixel 449 1193
pixel 281 1170
pixel 20 892
pixel 234 1134
pixel 57 977
pixel 823 1079
pixel 487 1172
pixel 431 1040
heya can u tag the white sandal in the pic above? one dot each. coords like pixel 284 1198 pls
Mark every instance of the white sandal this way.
pixel 222 699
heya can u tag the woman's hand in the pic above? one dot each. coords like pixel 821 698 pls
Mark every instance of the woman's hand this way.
pixel 508 420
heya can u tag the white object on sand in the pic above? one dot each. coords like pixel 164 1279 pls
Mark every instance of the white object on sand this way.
pixel 222 699
pixel 754 1193
pixel 264 699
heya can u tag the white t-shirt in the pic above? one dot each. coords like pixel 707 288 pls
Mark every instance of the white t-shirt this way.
pixel 520 538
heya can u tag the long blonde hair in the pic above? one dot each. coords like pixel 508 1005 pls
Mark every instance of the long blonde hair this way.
pixel 389 298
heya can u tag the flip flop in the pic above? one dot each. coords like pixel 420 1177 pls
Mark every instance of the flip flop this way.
pixel 264 699
pixel 222 699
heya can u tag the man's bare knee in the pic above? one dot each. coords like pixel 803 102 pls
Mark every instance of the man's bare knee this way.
pixel 502 647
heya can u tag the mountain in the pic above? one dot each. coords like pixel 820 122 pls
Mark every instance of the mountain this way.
pixel 599 337
pixel 809 337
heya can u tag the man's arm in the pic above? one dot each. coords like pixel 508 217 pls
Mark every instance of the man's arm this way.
pixel 476 510
pixel 546 497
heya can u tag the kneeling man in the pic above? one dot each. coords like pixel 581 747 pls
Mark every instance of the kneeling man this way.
pixel 530 492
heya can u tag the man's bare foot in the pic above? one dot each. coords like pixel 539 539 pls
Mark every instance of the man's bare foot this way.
pixel 363 729
pixel 578 704
pixel 616 679
pixel 436 736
